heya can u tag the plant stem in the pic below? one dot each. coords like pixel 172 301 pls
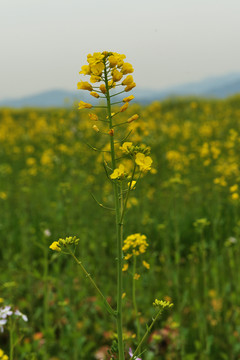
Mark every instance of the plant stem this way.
pixel 119 231
pixel 127 196
pixel 136 352
pixel 108 306
pixel 45 299
pixel 11 340
pixel 134 300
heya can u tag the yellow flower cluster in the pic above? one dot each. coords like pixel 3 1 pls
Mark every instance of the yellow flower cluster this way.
pixel 108 66
pixel 144 162
pixel 3 356
pixel 163 304
pixel 135 244
pixel 71 240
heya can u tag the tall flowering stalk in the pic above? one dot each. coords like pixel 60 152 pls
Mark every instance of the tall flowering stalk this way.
pixel 108 71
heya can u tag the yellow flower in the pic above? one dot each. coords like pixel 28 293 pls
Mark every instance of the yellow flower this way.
pixel 143 161
pixel 84 85
pixel 3 195
pixel 136 276
pixel 31 161
pixel 93 117
pixel 125 267
pixel 119 58
pixel 133 118
pixel 85 70
pixel 128 80
pixel 111 84
pixel 97 69
pixel 129 98
pixel 102 87
pixel 93 93
pixel 234 188
pixel 96 58
pixel 130 87
pixel 94 79
pixel 128 256
pixel 83 105
pixel 146 265
pixel 124 107
pixel 126 146
pixel 235 196
pixel 116 75
pixel 55 246
pixel 132 184
pixel 3 356
pixel 127 68
pixel 118 173
pixel 112 61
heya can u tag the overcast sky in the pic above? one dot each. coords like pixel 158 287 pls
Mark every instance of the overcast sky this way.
pixel 44 43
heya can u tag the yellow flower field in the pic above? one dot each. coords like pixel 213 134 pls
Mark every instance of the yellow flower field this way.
pixel 52 174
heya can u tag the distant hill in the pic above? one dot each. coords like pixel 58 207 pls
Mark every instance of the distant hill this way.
pixel 215 87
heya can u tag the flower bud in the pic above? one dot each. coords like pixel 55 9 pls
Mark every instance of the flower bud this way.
pixel 84 85
pixel 83 105
pixel 94 94
pixel 129 98
pixel 130 87
pixel 124 107
pixel 112 61
pixel 127 68
pixel 133 118
pixel 128 80
pixel 116 75
pixel 102 87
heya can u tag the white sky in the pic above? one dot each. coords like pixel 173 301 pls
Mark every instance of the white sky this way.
pixel 44 43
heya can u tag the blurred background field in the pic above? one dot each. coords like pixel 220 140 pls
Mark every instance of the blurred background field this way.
pixel 188 208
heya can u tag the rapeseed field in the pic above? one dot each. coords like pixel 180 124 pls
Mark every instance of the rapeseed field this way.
pixel 184 214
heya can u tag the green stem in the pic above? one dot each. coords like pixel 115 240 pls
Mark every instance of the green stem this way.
pixel 11 330
pixel 127 196
pixel 108 306
pixel 45 299
pixel 137 351
pixel 119 231
pixel 134 300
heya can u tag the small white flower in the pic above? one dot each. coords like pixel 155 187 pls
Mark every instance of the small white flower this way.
pixel 232 240
pixel 5 311
pixel 47 232
pixel 18 313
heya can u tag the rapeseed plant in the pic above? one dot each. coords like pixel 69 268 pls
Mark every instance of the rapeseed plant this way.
pixel 125 167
